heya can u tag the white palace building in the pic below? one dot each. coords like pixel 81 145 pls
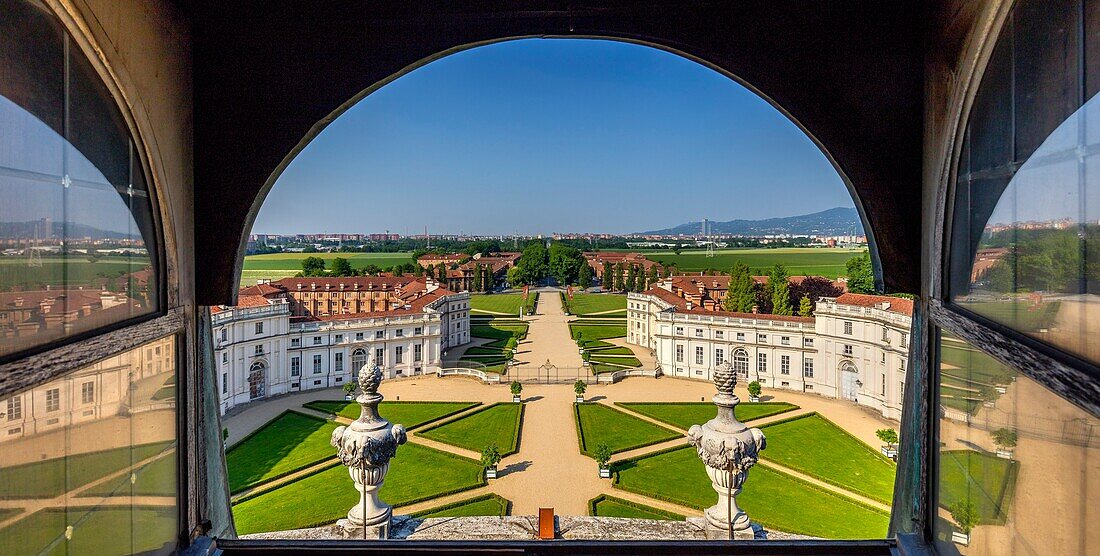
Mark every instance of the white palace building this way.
pixel 855 347
pixel 304 333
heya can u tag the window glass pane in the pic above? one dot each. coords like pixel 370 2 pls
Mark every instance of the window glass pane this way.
pixel 76 222
pixel 88 462
pixel 1026 228
pixel 1017 463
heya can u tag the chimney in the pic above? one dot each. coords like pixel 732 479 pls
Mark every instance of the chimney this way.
pixel 299 286
pixel 755 308
pixel 690 305
pixel 341 286
pixel 328 287
pixel 313 285
pixel 355 285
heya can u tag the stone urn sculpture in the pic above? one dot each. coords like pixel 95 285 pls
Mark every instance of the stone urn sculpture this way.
pixel 366 447
pixel 728 449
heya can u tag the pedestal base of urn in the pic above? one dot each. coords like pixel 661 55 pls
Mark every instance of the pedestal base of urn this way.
pixel 348 530
pixel 753 532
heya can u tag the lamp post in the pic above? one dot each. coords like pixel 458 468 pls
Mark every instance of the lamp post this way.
pixel 728 449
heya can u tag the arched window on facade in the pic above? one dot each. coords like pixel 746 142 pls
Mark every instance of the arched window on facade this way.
pixel 358 360
pixel 741 362
pixel 257 380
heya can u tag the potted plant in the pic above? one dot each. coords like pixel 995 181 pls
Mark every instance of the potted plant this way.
pixel 517 389
pixel 890 437
pixel 579 387
pixel 490 457
pixel 510 345
pixel 754 391
pixel 349 389
pixel 966 517
pixel 1005 439
pixel 580 342
pixel 603 455
pixel 225 438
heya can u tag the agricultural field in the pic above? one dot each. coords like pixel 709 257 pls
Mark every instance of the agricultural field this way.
pixel 798 260
pixel 597 423
pixel 495 424
pixel 73 270
pixel 584 304
pixel 282 265
pixel 684 415
pixel 407 414
pixel 771 498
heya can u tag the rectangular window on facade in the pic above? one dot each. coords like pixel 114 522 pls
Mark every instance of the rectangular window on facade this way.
pixel 225 357
pixel 418 331
pixel 15 408
pixel 399 355
pixel 339 338
pixel 259 328
pixel 295 342
pixel 316 340
pixel 698 332
pixel 762 338
pixel 380 355
pixel 762 362
pixel 785 340
pixel 379 334
pixel 808 368
pixel 400 332
pixel 679 330
pixel 719 356
pixel 316 364
pixel 904 340
pixel 785 364
pixel 87 393
pixel 225 383
pixel 359 336
pixel 418 353
pixel 338 364
pixel 224 335
pixel 847 349
pixel 740 336
pixel 698 355
pixel 295 366
pixel 720 334
pixel 885 334
pixel 259 350
pixel 679 354
pixel 53 399
pixel 848 327
pixel 883 384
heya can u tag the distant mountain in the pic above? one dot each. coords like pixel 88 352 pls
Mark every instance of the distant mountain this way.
pixel 832 222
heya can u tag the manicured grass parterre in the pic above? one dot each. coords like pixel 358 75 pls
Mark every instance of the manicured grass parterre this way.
pixel 609 350
pixel 487 504
pixel 418 473
pixel 799 261
pixel 771 498
pixel 587 303
pixel 610 506
pixel 498 423
pixel 503 303
pixel 597 331
pixel 285 444
pixel 103 530
pixel 598 423
pixel 54 477
pixel 408 414
pixel 499 331
pixel 684 415
pixel 985 480
pixel 622 361
pixel 817 447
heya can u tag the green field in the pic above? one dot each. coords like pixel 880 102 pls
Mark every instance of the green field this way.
pixel 504 303
pixel 609 506
pixel 798 260
pixel 283 265
pixel 623 361
pixel 74 270
pixel 819 448
pixel 588 303
pixel 408 414
pixel 104 530
pixel 486 504
pixel 498 423
pixel 326 496
pixel 54 477
pixel 684 415
pixel 985 480
pixel 773 499
pixel 597 331
pixel 285 444
pixel 598 423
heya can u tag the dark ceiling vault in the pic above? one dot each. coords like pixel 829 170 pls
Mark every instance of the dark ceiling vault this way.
pixel 265 73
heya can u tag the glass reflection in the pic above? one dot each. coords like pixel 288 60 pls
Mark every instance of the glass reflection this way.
pixel 1037 263
pixel 1015 462
pixel 88 462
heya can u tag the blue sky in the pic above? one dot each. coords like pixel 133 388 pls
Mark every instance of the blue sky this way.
pixel 552 135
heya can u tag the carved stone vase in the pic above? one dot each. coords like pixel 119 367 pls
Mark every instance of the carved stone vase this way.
pixel 728 449
pixel 366 447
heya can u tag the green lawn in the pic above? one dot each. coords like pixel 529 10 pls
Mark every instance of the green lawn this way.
pixel 599 423
pixel 597 331
pixel 54 477
pixel 498 331
pixel 973 365
pixel 684 415
pixel 609 506
pixel 799 261
pixel 625 361
pixel 497 423
pixel 408 414
pixel 773 499
pixel 488 504
pixel 586 303
pixel 285 444
pixel 817 447
pixel 58 270
pixel 507 303
pixel 157 478
pixel 105 530
pixel 986 480
pixel 418 473
pixel 612 350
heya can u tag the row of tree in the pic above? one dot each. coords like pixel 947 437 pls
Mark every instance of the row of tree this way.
pixel 629 278
pixel 777 296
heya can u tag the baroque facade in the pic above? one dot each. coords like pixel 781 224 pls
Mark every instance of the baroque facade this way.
pixel 854 348
pixel 304 333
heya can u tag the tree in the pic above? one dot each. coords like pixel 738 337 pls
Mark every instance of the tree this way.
pixel 861 276
pixel 584 276
pixel 620 283
pixel 754 389
pixel 889 436
pixel 639 281
pixel 965 516
pixel 603 454
pixel 1005 438
pixel 349 388
pixel 631 278
pixel 516 387
pixel 779 283
pixel 476 280
pixel 580 339
pixel 805 308
pixel 607 279
pixel 740 294
pixel 487 280
pixel 651 276
pixel 516 277
pixel 490 456
pixel 341 267
pixel 579 387
pixel 534 261
pixel 815 287
pixel 565 263
pixel 313 266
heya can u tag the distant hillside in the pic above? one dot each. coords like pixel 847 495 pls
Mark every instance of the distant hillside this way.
pixel 26 230
pixel 835 221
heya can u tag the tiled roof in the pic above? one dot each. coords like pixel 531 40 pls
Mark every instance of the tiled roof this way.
pixel 898 305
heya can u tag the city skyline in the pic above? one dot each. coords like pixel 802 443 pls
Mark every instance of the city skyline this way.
pixel 594 130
